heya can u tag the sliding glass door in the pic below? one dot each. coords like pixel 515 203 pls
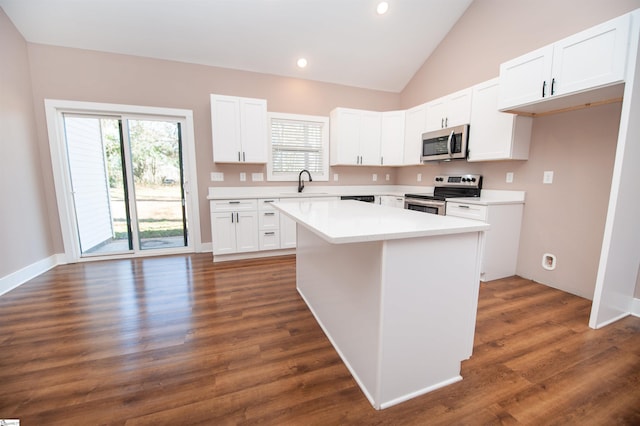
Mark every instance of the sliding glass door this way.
pixel 127 180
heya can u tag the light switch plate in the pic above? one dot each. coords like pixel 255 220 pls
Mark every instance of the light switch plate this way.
pixel 547 177
pixel 257 177
pixel 335 177
pixel 419 177
pixel 387 176
pixel 509 177
pixel 217 177
pixel 374 177
pixel 243 177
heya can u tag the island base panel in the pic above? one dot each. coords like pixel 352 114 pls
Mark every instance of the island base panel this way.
pixel 400 323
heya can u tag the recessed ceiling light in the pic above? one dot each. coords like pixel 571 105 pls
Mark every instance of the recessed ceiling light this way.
pixel 382 8
pixel 302 62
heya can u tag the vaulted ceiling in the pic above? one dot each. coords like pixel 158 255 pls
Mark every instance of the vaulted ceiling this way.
pixel 344 41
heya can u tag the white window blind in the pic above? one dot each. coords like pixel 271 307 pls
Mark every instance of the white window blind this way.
pixel 297 143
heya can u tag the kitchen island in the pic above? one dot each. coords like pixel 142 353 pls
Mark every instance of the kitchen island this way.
pixel 394 290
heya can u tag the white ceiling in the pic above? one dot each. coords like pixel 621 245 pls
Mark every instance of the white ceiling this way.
pixel 345 41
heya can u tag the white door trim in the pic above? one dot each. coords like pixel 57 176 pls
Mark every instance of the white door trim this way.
pixel 54 109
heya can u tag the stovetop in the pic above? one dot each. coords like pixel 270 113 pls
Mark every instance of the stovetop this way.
pixel 452 187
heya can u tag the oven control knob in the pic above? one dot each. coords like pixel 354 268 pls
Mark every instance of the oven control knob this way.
pixel 473 179
pixel 465 179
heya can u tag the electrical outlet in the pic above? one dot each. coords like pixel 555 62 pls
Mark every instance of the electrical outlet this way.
pixel 374 177
pixel 217 177
pixel 510 177
pixel 547 177
pixel 419 177
pixel 387 177
pixel 335 177
pixel 243 177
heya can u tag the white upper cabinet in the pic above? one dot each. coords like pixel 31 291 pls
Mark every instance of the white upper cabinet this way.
pixel 415 124
pixel 496 135
pixel 239 129
pixel 448 111
pixel 356 136
pixel 392 138
pixel 588 60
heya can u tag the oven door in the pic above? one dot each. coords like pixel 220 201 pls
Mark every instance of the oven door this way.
pixel 425 206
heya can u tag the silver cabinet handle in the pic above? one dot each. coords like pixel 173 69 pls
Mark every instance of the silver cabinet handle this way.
pixel 243 156
pixel 234 202
pixel 238 155
pixel 232 217
pixel 270 214
pixel 462 206
pixel 269 233
pixel 269 201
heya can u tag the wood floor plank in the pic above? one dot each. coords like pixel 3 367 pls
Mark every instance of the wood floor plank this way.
pixel 180 340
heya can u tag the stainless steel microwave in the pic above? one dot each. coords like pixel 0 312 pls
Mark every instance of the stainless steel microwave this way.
pixel 445 144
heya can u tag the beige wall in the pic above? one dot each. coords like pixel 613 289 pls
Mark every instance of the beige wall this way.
pixel 565 218
pixel 24 230
pixel 80 75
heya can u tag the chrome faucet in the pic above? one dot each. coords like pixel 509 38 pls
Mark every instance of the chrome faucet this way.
pixel 301 182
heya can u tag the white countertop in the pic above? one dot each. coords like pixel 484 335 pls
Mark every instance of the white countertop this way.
pixel 340 222
pixel 310 191
pixel 493 197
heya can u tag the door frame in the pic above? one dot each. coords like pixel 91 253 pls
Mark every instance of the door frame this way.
pixel 54 108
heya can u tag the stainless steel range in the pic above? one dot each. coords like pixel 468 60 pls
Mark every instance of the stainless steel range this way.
pixel 444 187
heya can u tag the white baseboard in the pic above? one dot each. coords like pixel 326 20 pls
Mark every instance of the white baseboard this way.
pixel 17 278
pixel 635 307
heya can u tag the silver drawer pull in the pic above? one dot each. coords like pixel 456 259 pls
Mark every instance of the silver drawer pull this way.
pixel 269 201
pixel 234 202
pixel 270 214
pixel 269 233
pixel 464 207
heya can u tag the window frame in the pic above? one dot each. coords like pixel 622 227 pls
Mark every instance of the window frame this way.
pixel 289 177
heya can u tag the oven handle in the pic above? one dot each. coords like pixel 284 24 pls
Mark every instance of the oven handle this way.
pixel 449 143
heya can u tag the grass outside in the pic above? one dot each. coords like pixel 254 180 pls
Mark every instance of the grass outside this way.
pixel 159 209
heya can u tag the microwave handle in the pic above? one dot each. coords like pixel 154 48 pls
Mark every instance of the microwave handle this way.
pixel 449 144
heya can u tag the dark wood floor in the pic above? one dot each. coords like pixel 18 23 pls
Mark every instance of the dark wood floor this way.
pixel 181 341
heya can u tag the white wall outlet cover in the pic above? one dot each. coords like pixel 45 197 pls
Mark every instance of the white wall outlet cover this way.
pixel 335 177
pixel 387 176
pixel 419 177
pixel 243 177
pixel 217 176
pixel 509 178
pixel 257 177
pixel 547 177
pixel 374 177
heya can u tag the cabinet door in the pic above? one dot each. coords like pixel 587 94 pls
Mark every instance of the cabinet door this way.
pixel 392 138
pixel 458 108
pixel 287 232
pixel 225 128
pixel 253 119
pixel 223 232
pixel 495 135
pixel 246 231
pixel 370 138
pixel 345 136
pixel 525 79
pixel 592 58
pixel 436 112
pixel 414 127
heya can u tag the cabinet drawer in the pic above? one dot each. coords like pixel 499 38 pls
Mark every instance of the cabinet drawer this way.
pixel 468 211
pixel 233 205
pixel 265 204
pixel 269 240
pixel 268 220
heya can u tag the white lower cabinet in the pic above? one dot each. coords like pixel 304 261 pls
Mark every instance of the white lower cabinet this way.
pixel 234 226
pixel 501 242
pixel 287 232
pixel 269 225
